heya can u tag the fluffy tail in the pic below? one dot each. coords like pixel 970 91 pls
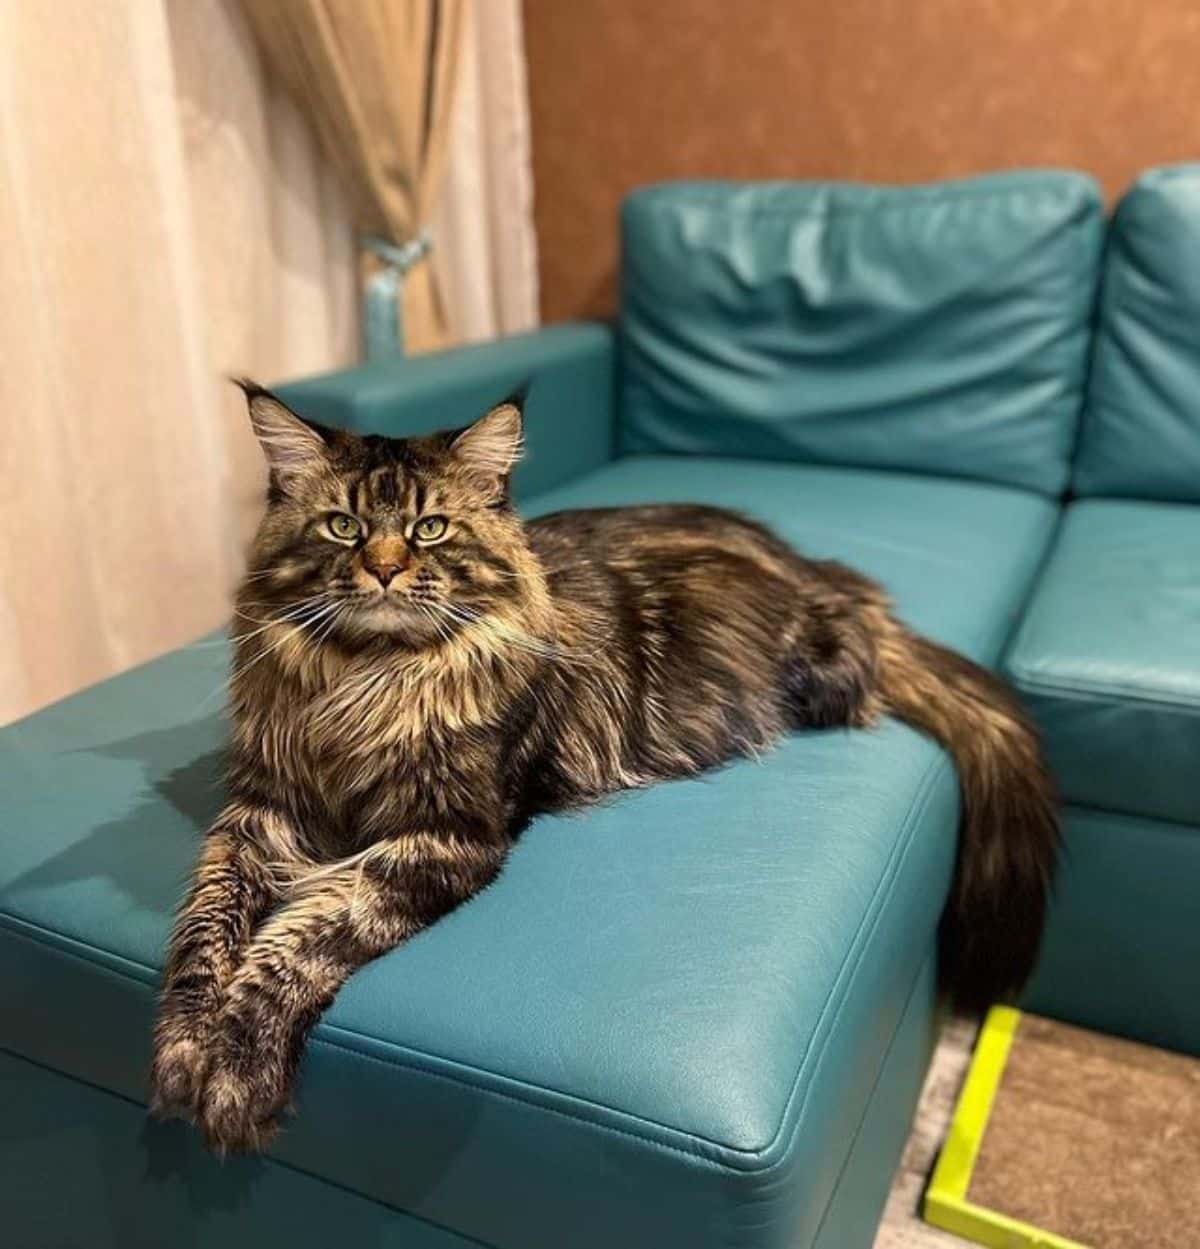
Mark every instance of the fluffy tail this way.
pixel 1009 837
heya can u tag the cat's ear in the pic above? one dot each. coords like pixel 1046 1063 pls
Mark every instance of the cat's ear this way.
pixel 293 446
pixel 490 447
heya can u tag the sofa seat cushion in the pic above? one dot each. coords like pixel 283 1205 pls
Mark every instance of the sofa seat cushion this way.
pixel 1108 656
pixel 935 329
pixel 663 1025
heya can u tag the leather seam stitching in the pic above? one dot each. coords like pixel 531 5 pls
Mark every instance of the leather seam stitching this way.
pixel 79 948
pixel 1167 827
pixel 1098 693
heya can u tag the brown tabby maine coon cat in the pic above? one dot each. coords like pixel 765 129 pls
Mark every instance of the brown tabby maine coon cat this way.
pixel 418 673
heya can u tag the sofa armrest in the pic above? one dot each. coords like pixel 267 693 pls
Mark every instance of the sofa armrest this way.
pixel 569 369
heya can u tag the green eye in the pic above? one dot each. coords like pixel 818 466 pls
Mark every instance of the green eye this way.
pixel 344 527
pixel 429 528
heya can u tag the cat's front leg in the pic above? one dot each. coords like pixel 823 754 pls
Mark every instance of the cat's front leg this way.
pixel 230 893
pixel 303 954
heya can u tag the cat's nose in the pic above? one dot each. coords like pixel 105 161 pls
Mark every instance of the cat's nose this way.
pixel 384 557
pixel 383 573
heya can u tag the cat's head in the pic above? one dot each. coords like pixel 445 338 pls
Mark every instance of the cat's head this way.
pixel 367 537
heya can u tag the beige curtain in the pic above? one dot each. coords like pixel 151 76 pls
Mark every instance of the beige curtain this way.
pixel 165 219
pixel 486 260
pixel 376 79
pixel 271 229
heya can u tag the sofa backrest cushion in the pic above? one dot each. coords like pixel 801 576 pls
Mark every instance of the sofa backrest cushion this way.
pixel 940 329
pixel 1141 425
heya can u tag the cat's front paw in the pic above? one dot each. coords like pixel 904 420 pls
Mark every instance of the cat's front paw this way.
pixel 177 1076
pixel 240 1112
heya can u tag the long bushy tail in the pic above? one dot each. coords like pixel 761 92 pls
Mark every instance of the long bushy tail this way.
pixel 1009 836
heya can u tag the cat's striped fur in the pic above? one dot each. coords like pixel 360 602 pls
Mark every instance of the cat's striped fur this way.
pixel 402 708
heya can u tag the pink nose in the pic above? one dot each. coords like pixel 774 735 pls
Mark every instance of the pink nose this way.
pixel 383 573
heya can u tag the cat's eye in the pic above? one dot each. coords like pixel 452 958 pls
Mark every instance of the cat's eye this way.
pixel 429 528
pixel 344 527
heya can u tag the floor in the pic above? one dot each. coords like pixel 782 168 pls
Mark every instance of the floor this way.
pixel 902 1227
pixel 1095 1136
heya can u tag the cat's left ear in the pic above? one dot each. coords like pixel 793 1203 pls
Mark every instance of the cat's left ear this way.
pixel 491 447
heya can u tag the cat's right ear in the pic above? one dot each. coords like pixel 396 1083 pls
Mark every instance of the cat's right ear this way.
pixel 293 446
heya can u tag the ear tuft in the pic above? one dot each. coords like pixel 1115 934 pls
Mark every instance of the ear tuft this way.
pixel 491 446
pixel 517 396
pixel 292 445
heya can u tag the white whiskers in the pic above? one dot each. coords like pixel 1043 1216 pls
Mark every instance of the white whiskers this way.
pixel 295 618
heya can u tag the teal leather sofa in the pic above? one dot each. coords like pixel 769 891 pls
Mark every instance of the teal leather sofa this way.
pixel 700 1014
pixel 1108 653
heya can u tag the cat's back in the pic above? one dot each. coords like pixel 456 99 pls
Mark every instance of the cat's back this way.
pixel 668 537
pixel 682 616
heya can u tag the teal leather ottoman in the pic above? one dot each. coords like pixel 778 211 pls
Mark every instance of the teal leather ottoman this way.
pixel 700 1014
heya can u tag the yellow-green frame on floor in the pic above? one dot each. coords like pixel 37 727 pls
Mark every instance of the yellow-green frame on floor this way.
pixel 946 1205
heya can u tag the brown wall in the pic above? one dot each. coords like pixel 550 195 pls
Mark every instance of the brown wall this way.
pixel 631 91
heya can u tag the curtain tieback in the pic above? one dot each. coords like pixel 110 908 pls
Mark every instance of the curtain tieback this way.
pixel 383 318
